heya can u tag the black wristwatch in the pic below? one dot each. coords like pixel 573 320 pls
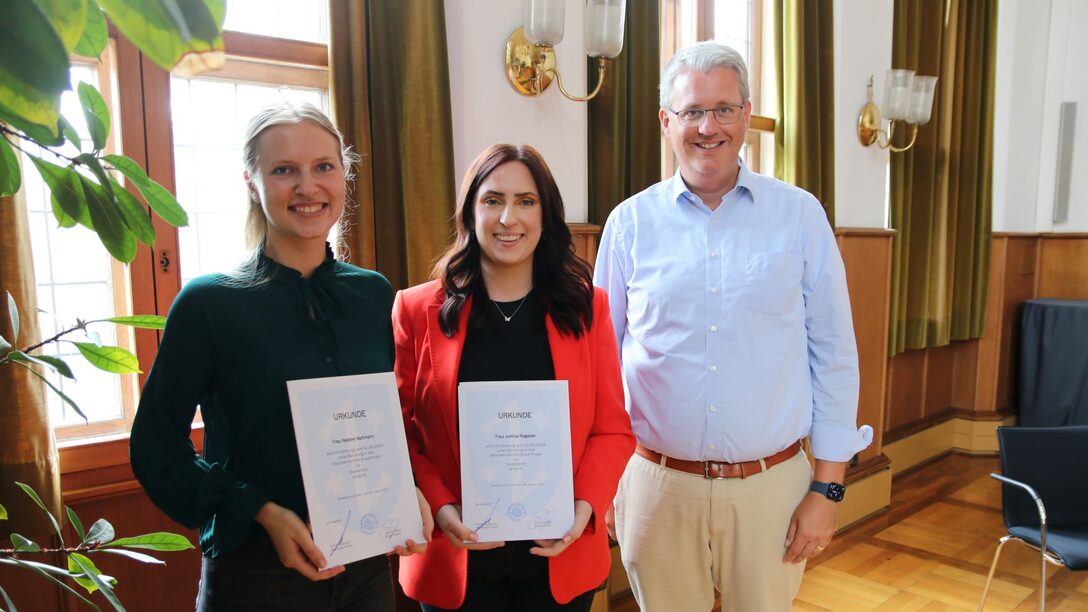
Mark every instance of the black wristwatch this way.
pixel 831 490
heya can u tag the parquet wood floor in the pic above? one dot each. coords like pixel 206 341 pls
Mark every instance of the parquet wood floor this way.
pixel 930 551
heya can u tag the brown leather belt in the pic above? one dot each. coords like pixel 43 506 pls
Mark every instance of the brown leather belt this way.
pixel 719 469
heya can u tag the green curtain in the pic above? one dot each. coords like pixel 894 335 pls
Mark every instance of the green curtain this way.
pixel 391 97
pixel 28 453
pixel 624 140
pixel 804 135
pixel 941 188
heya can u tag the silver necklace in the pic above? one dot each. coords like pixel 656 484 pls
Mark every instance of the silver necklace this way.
pixel 520 304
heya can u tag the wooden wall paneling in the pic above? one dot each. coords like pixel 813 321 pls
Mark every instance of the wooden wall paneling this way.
pixel 940 361
pixel 964 393
pixel 867 257
pixel 906 391
pixel 1063 266
pixel 1021 261
pixel 993 335
pixel 586 236
pixel 142 586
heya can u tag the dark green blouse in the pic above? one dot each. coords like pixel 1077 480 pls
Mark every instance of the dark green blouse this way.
pixel 231 350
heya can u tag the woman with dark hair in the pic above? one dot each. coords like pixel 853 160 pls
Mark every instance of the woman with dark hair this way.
pixel 231 343
pixel 510 302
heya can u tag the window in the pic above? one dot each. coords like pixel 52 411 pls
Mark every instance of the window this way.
pixel 739 24
pixel 187 134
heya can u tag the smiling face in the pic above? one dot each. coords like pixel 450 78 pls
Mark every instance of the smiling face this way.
pixel 508 220
pixel 707 153
pixel 299 181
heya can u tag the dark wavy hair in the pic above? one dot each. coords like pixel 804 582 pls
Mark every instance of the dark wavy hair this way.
pixel 563 282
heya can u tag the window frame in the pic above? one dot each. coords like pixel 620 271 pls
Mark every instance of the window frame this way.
pixel 672 39
pixel 153 278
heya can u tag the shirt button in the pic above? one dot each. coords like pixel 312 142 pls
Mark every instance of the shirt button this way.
pixel 713 328
pixel 713 408
pixel 328 360
pixel 713 289
pixel 713 254
pixel 713 446
pixel 713 221
pixel 713 368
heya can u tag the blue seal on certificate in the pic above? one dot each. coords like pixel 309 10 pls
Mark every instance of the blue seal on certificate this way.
pixel 516 511
pixel 368 524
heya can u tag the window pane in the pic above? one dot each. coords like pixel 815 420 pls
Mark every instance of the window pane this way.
pixel 209 120
pixel 76 280
pixel 305 20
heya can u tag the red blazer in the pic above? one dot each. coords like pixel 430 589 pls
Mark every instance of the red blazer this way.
pixel 601 439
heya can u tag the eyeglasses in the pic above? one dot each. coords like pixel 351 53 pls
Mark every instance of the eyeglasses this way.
pixel 725 114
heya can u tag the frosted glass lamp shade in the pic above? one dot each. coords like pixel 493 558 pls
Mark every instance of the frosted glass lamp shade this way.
pixel 921 99
pixel 604 27
pixel 544 21
pixel 897 90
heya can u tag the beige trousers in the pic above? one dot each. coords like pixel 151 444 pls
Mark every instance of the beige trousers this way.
pixel 682 536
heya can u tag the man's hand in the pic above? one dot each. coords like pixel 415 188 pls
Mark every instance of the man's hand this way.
pixel 460 536
pixel 294 543
pixel 410 547
pixel 551 548
pixel 811 528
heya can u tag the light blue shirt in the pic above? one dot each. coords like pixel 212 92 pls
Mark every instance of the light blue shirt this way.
pixel 734 324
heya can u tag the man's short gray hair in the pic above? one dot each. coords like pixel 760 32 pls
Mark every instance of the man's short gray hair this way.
pixel 703 56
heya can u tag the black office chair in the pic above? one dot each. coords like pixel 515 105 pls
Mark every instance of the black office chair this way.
pixel 1044 465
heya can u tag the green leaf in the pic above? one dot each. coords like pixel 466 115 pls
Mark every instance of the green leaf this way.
pixel 111 229
pixel 167 30
pixel 68 18
pixel 13 312
pixel 63 219
pixel 34 123
pixel 47 571
pixel 131 554
pixel 95 33
pixel 161 540
pixel 5 346
pixel 140 321
pixel 3 513
pixel 64 185
pixel 70 134
pixel 46 361
pixel 7 601
pixel 77 524
pixel 134 214
pixel 101 532
pixel 22 544
pixel 96 113
pixel 109 358
pixel 31 52
pixel 161 201
pixel 60 394
pixel 10 174
pixel 32 494
pixel 104 583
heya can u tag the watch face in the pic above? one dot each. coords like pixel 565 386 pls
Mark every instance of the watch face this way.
pixel 835 491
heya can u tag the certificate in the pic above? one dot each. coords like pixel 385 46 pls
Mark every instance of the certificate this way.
pixel 516 476
pixel 355 468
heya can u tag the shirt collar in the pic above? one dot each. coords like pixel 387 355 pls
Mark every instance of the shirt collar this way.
pixel 746 180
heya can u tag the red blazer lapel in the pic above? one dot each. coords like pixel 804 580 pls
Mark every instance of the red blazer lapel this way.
pixel 565 352
pixel 445 360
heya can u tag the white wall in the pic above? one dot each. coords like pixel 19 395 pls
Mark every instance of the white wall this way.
pixel 487 110
pixel 863 47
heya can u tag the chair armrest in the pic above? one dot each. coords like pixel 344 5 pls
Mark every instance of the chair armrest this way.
pixel 1030 491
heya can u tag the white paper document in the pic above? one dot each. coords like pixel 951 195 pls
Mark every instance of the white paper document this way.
pixel 355 467
pixel 516 476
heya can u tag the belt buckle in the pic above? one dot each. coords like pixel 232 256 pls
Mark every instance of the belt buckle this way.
pixel 706 469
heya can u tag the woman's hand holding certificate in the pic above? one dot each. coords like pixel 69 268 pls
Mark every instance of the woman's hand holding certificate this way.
pixel 460 536
pixel 551 548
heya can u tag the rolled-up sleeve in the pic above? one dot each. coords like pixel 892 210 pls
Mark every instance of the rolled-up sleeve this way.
pixel 832 348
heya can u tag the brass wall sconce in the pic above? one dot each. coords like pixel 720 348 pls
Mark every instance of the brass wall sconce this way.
pixel 906 98
pixel 530 51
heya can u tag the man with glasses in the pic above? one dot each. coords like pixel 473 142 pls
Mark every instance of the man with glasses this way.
pixel 729 301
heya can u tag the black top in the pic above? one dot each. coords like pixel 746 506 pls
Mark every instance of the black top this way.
pixel 231 350
pixel 511 350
